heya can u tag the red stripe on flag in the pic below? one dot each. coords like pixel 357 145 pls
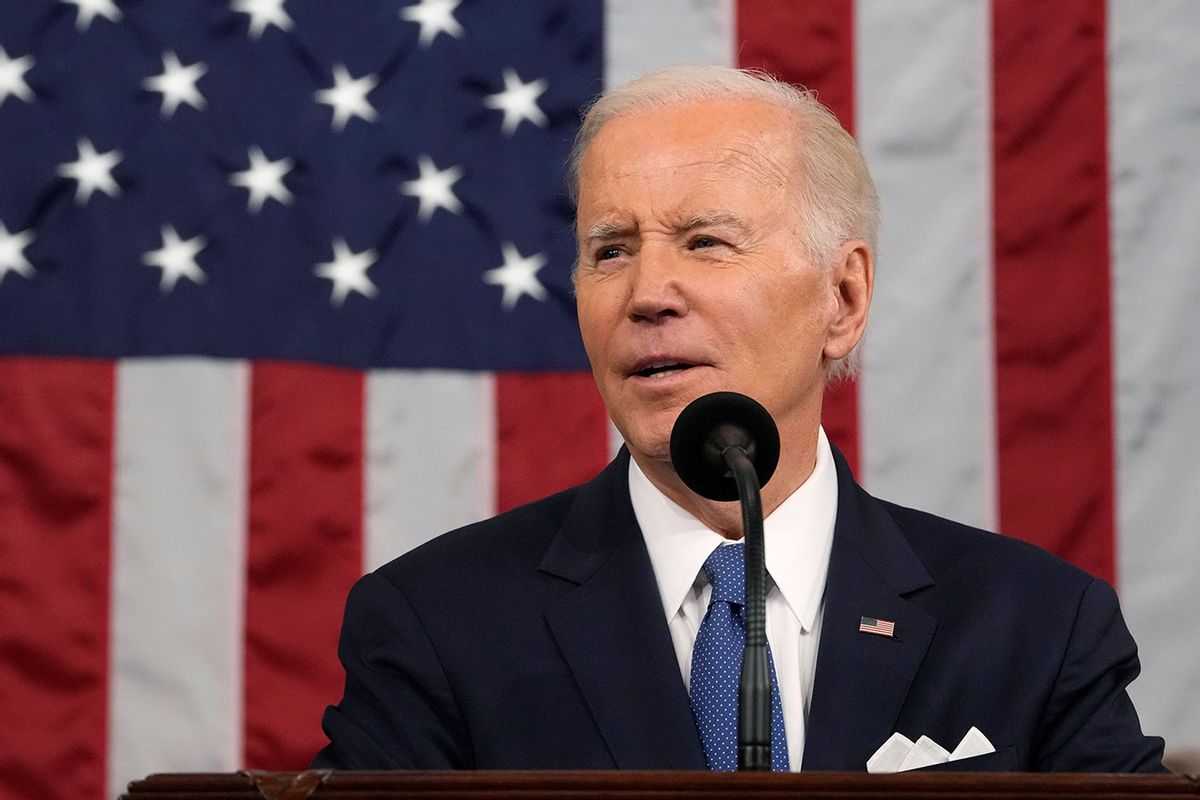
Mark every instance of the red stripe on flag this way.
pixel 56 459
pixel 551 432
pixel 1052 317
pixel 812 45
pixel 304 550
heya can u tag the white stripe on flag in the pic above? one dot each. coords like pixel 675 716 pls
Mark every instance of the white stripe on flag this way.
pixel 641 35
pixel 178 567
pixel 922 88
pixel 1154 111
pixel 430 457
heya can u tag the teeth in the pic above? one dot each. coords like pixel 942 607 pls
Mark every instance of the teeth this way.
pixel 662 368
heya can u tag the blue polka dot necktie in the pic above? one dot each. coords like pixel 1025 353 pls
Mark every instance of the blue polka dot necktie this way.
pixel 717 664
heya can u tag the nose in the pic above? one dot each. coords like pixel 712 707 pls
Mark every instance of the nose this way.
pixel 657 291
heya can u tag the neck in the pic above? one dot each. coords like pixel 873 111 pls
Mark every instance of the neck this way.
pixel 797 460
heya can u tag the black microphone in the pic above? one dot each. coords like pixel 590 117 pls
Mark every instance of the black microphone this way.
pixel 725 446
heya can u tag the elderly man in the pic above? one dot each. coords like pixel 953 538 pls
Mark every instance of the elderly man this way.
pixel 726 226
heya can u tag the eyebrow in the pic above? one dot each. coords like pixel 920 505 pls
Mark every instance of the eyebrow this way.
pixel 712 219
pixel 605 231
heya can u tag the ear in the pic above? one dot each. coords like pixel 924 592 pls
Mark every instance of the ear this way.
pixel 852 279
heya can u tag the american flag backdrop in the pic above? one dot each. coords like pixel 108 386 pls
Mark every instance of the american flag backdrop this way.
pixel 284 291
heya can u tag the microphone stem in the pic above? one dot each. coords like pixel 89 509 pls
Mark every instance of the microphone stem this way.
pixel 754 690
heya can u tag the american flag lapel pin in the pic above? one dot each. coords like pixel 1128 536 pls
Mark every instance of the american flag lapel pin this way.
pixel 879 627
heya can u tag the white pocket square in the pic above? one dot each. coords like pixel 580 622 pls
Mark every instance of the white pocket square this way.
pixel 899 753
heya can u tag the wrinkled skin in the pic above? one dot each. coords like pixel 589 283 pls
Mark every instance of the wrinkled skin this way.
pixel 690 253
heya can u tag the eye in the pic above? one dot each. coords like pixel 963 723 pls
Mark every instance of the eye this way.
pixel 702 242
pixel 608 253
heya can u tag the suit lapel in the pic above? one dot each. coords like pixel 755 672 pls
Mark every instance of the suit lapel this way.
pixel 862 679
pixel 612 632
pixel 614 639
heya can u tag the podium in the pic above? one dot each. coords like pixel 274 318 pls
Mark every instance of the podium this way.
pixel 336 785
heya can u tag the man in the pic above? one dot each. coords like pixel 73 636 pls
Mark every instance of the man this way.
pixel 726 226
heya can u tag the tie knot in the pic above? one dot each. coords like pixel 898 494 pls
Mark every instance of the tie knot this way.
pixel 726 571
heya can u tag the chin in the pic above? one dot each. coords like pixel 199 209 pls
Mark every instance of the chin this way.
pixel 646 426
pixel 650 441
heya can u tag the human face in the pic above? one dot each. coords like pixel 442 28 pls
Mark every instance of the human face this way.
pixel 692 276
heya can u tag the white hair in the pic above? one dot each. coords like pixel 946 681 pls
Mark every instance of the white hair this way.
pixel 837 200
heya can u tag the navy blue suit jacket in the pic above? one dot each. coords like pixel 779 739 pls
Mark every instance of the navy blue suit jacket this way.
pixel 537 640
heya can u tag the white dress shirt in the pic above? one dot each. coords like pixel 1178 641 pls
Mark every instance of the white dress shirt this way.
pixel 799 535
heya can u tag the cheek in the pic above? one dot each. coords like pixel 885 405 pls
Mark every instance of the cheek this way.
pixel 798 317
pixel 596 321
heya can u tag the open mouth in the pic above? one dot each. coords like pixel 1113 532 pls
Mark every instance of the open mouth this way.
pixel 663 369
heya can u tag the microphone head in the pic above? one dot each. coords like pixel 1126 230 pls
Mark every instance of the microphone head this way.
pixel 706 427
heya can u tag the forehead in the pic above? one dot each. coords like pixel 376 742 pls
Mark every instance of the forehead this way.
pixel 697 148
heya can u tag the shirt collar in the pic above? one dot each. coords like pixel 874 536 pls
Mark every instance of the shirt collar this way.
pixel 799 537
